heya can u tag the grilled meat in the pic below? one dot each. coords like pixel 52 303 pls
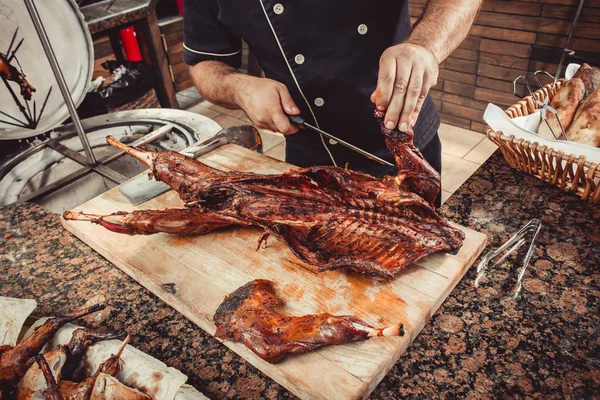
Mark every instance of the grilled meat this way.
pixel 83 390
pixel 15 362
pixel 51 392
pixel 35 383
pixel 81 339
pixel 249 315
pixel 329 217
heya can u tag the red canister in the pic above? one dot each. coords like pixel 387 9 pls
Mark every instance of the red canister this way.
pixel 130 44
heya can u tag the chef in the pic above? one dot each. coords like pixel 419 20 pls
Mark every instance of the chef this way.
pixel 332 62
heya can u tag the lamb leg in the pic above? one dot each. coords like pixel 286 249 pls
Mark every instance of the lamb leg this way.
pixel 183 221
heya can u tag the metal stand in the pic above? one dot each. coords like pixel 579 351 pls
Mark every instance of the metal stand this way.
pixel 566 50
pixel 89 162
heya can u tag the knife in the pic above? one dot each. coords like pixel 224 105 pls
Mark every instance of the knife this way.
pixel 300 122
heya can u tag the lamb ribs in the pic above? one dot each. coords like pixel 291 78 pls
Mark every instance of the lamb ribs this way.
pixel 249 315
pixel 330 217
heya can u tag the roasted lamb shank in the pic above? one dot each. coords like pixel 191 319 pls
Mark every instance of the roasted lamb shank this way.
pixel 329 217
pixel 249 315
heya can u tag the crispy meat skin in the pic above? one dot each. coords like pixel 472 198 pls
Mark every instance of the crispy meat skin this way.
pixel 329 217
pixel 249 315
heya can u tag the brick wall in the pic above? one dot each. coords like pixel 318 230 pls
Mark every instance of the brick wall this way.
pixel 499 48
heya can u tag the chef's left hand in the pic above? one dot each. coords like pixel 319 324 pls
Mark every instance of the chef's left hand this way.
pixel 406 73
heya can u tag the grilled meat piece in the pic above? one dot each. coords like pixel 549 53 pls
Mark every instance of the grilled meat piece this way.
pixel 35 383
pixel 249 315
pixel 51 393
pixel 329 217
pixel 83 390
pixel 81 339
pixel 15 362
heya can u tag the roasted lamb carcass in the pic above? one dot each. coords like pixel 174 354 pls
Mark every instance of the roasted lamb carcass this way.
pixel 249 315
pixel 329 217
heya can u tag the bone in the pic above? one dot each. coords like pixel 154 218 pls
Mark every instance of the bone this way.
pixel 52 392
pixel 392 330
pixel 145 156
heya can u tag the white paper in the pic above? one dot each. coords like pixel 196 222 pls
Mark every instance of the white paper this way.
pixel 570 70
pixel 13 313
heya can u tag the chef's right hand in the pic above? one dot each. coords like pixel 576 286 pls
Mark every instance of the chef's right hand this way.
pixel 266 102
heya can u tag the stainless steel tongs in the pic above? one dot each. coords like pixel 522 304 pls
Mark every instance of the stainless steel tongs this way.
pixel 510 246
pixel 543 104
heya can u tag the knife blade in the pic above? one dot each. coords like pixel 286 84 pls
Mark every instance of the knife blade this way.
pixel 299 121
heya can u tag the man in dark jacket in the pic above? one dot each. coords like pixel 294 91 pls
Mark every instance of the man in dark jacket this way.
pixel 332 62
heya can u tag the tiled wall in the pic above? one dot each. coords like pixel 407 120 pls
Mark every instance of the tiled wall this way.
pixel 499 48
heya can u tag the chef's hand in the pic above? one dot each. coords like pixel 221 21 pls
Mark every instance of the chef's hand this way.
pixel 406 73
pixel 266 102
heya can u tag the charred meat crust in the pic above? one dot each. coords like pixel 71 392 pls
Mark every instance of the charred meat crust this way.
pixel 329 217
pixel 249 315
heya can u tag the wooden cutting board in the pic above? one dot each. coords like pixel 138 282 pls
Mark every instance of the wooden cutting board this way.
pixel 193 274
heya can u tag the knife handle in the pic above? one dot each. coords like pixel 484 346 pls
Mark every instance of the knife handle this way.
pixel 296 120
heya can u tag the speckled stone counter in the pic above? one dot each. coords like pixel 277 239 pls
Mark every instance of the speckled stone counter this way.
pixel 481 344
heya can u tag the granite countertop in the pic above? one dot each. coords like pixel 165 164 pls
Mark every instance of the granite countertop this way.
pixel 480 344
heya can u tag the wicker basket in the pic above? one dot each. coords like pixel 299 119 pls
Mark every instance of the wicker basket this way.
pixel 570 173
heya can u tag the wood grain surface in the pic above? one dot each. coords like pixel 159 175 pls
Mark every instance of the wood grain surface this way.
pixel 194 273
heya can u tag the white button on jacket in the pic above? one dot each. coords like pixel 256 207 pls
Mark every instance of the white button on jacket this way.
pixel 362 29
pixel 278 8
pixel 319 102
pixel 299 59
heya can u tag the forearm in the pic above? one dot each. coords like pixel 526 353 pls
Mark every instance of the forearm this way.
pixel 218 83
pixel 444 25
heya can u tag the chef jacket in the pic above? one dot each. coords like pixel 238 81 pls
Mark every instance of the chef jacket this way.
pixel 327 54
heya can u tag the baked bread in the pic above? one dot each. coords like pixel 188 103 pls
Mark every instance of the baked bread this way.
pixel 586 124
pixel 565 102
pixel 590 77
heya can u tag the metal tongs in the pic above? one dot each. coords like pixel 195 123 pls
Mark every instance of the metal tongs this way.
pixel 542 104
pixel 513 244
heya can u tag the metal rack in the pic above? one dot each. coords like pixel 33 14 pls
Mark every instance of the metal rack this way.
pixel 88 163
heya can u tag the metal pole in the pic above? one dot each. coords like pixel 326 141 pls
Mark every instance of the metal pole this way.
pixel 566 50
pixel 62 85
